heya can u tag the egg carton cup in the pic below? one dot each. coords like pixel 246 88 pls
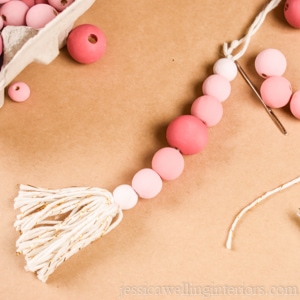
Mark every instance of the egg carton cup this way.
pixel 24 45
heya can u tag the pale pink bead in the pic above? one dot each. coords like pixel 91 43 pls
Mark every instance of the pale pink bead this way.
pixel 14 12
pixel 295 105
pixel 168 163
pixel 208 109
pixel 40 15
pixel 18 91
pixel 270 62
pixel 147 183
pixel 60 5
pixel 217 86
pixel 276 91
pixel 225 67
pixel 125 196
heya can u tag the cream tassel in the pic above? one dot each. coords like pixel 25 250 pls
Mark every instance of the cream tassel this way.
pixel 55 224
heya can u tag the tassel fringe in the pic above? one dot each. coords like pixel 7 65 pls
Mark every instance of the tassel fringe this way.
pixel 55 224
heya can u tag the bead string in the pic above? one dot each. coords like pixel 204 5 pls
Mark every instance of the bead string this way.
pixel 98 210
pixel 259 20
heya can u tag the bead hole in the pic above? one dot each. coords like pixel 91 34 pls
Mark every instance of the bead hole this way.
pixel 17 88
pixel 3 18
pixel 92 38
pixel 64 2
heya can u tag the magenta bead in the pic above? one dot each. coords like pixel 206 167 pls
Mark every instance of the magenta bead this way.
pixel 270 62
pixel 18 91
pixel 14 13
pixel 208 109
pixel 168 163
pixel 188 134
pixel 295 105
pixel 276 91
pixel 217 86
pixel 39 15
pixel 86 43
pixel 147 183
pixel 292 12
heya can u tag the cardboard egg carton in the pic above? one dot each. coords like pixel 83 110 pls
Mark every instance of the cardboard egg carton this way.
pixel 24 45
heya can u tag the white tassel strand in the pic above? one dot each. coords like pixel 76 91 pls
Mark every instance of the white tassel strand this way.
pixel 55 224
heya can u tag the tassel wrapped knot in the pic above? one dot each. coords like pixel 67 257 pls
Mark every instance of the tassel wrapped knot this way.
pixel 55 224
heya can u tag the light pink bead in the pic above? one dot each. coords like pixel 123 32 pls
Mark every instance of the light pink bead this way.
pixel 147 183
pixel 276 91
pixel 225 67
pixel 208 109
pixel 18 91
pixel 295 105
pixel 217 86
pixel 14 12
pixel 168 163
pixel 188 134
pixel 292 12
pixel 40 15
pixel 270 62
pixel 125 196
pixel 59 4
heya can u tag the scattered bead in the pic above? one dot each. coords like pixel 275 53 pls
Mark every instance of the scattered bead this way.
pixel 147 183
pixel 125 196
pixel 295 105
pixel 276 91
pixel 86 43
pixel 14 13
pixel 226 68
pixel 270 62
pixel 217 86
pixel 208 109
pixel 168 163
pixel 18 91
pixel 39 15
pixel 292 12
pixel 188 134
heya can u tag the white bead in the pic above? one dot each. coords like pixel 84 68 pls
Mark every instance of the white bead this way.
pixel 225 67
pixel 125 196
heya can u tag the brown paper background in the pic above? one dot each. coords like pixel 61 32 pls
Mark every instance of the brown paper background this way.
pixel 96 125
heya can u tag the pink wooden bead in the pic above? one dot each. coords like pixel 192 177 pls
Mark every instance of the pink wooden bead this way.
pixel 39 15
pixel 188 134
pixel 14 13
pixel 86 43
pixel 208 109
pixel 217 86
pixel 59 4
pixel 18 91
pixel 276 91
pixel 292 12
pixel 270 62
pixel 147 183
pixel 125 196
pixel 168 163
pixel 295 105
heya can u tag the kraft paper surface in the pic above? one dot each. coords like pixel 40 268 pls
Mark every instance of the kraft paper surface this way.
pixel 98 124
